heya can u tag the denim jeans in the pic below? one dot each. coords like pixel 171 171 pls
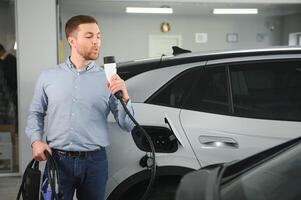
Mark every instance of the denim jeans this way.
pixel 86 174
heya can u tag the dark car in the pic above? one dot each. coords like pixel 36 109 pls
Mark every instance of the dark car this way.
pixel 274 174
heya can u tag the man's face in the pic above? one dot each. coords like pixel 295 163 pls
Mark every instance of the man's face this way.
pixel 86 41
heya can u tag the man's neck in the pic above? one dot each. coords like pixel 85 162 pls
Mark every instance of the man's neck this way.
pixel 79 62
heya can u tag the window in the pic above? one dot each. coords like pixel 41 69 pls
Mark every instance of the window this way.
pixel 173 93
pixel 268 90
pixel 209 93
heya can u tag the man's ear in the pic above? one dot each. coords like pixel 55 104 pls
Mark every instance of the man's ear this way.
pixel 71 41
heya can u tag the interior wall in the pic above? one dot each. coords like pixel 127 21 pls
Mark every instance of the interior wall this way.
pixel 37 50
pixel 126 36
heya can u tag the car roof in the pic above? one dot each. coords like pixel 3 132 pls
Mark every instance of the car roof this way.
pixel 132 68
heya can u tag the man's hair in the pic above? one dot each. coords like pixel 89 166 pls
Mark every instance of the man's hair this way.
pixel 73 23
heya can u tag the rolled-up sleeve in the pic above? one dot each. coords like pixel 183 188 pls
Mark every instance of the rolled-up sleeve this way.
pixel 120 115
pixel 37 111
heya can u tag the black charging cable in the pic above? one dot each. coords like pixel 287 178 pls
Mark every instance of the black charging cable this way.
pixel 110 69
pixel 53 177
pixel 153 167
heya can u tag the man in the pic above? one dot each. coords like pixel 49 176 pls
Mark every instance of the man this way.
pixel 77 99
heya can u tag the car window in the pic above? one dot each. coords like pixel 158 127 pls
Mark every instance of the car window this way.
pixel 276 179
pixel 268 90
pixel 173 93
pixel 209 93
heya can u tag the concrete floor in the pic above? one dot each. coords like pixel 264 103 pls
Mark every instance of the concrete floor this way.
pixel 9 187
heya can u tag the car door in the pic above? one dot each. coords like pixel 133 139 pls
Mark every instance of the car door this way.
pixel 236 110
pixel 163 110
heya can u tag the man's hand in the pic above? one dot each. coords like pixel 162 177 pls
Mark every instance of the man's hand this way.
pixel 117 84
pixel 38 148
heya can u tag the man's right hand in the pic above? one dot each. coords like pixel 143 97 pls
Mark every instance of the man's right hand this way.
pixel 38 148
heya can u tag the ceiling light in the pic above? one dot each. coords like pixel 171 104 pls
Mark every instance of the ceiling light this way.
pixel 149 10
pixel 222 11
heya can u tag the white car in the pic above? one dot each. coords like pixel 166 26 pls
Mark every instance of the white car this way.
pixel 201 109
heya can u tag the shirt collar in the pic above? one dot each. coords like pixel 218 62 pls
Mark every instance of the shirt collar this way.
pixel 71 65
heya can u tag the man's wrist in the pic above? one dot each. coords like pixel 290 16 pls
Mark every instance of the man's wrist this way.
pixel 126 100
pixel 34 142
pixel 125 97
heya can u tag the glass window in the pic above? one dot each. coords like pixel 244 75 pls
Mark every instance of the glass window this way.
pixel 268 90
pixel 209 93
pixel 174 92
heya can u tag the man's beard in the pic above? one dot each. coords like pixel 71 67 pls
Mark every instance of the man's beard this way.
pixel 89 55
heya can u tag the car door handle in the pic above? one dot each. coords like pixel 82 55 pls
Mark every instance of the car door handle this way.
pixel 218 142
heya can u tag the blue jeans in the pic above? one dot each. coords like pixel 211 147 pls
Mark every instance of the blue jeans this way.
pixel 87 174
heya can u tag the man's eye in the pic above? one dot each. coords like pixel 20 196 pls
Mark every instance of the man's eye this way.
pixel 88 36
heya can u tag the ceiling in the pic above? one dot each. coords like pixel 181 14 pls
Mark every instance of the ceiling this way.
pixel 183 7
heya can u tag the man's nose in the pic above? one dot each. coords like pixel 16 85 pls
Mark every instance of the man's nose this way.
pixel 96 40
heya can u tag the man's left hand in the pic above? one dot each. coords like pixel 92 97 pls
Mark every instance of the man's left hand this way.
pixel 117 84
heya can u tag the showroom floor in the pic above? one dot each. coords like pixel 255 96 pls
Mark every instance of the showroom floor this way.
pixel 9 187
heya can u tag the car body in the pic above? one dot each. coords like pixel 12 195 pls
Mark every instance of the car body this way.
pixel 201 109
pixel 269 175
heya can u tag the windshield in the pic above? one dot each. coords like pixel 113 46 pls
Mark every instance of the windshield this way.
pixel 277 179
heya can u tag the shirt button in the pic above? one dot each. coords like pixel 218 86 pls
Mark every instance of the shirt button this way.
pixel 71 128
pixel 75 87
pixel 72 114
pixel 78 73
pixel 74 100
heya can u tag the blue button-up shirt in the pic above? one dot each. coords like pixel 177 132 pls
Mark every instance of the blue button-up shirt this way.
pixel 77 104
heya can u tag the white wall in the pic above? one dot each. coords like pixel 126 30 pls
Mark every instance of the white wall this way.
pixel 126 36
pixel 37 50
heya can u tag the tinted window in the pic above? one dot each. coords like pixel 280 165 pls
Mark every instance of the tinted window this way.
pixel 209 93
pixel 267 90
pixel 174 92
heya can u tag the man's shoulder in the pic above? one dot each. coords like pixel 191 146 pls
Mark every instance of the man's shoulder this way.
pixel 52 70
pixel 55 68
